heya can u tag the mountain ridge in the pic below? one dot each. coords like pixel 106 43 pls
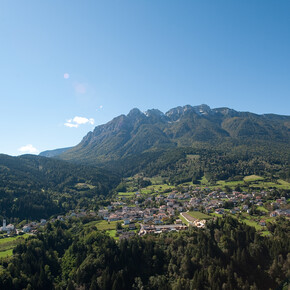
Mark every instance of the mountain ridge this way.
pixel 139 131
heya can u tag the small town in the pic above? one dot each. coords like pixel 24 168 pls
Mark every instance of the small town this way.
pixel 175 211
pixel 171 209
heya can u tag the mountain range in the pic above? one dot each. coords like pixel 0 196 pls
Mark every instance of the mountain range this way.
pixel 139 131
pixel 152 141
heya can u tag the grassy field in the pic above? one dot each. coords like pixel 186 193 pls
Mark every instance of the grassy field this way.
pixel 252 224
pixel 284 183
pixel 156 180
pixel 280 184
pixel 253 178
pixel 231 184
pixel 261 208
pixel 146 190
pixel 109 227
pixel 6 253
pixel 104 225
pixel 160 187
pixel 265 233
pixel 183 219
pixel 199 215
pixel 112 234
pixel 252 181
pixel 7 244
pixel 125 194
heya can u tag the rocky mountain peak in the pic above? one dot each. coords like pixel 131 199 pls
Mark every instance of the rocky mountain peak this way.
pixel 134 113
pixel 153 112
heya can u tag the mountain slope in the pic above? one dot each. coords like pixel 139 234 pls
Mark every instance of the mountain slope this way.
pixel 139 132
pixel 53 153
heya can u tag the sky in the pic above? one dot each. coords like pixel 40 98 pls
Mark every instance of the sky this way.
pixel 67 66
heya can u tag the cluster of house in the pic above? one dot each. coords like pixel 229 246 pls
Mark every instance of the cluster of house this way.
pixel 166 207
pixel 75 214
pixel 153 215
pixel 7 228
pixel 280 212
pixel 215 200
pixel 155 212
pixel 31 227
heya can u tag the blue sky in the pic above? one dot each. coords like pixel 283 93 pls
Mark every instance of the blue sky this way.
pixel 68 66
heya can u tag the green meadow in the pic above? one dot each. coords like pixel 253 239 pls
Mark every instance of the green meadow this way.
pixel 7 244
pixel 199 215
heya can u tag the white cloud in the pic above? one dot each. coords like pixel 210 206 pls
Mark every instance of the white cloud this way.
pixel 76 121
pixel 82 120
pixel 70 125
pixel 28 149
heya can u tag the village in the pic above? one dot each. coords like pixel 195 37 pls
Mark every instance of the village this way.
pixel 174 211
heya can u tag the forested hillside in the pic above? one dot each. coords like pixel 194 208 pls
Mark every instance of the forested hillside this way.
pixel 226 255
pixel 35 187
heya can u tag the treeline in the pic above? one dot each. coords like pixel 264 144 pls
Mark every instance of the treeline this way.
pixel 225 255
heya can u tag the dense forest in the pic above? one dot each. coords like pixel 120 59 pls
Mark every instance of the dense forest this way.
pixel 225 255
pixel 34 187
pixel 217 161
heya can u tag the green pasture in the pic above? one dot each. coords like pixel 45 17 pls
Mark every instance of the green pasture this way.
pixel 6 253
pixel 199 215
pixel 251 181
pixel 156 180
pixel 105 225
pixel 126 194
pixel 253 178
pixel 265 233
pixel 160 187
pixel 183 219
pixel 146 190
pixel 252 224
pixel 7 244
pixel 231 184
pixel 261 208
pixel 282 184
pixel 112 234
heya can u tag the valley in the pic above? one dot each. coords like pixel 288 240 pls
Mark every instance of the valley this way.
pixel 152 201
